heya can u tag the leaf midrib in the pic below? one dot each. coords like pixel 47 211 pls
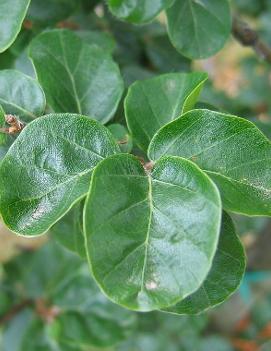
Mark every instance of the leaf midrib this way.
pixel 28 113
pixel 52 189
pixel 146 243
pixel 70 74
pixel 258 188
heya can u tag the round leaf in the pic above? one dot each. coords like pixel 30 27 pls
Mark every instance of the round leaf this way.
pixel 12 13
pixel 48 169
pixel 152 103
pixel 199 28
pixel 75 76
pixel 21 95
pixel 224 277
pixel 138 11
pixel 233 152
pixel 154 241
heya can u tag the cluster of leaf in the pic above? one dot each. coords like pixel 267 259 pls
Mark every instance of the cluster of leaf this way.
pixel 85 319
pixel 155 233
pixel 83 316
pixel 197 29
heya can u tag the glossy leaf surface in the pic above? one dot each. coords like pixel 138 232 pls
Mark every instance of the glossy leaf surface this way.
pixel 224 277
pixel 12 13
pixel 138 11
pixel 152 103
pixel 48 169
pixel 75 76
pixel 199 28
pixel 21 95
pixel 153 242
pixel 231 150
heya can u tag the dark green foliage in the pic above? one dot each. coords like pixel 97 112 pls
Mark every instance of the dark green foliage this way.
pixel 126 159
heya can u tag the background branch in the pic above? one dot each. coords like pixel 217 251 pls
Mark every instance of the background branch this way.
pixel 15 310
pixel 249 37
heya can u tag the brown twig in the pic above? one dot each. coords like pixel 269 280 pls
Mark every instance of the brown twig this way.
pixel 44 311
pixel 15 310
pixel 249 37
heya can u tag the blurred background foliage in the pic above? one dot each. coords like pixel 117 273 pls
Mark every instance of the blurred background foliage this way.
pixel 39 279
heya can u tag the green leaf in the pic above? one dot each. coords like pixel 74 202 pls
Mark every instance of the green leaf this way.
pixel 152 103
pixel 48 169
pixel 217 343
pixel 75 76
pixel 132 73
pixel 224 277
pixel 21 95
pixel 24 64
pixel 50 11
pixel 2 125
pixel 39 279
pixel 164 56
pixel 138 11
pixel 69 231
pixel 199 28
pixel 231 150
pixel 6 143
pixel 13 332
pixel 154 240
pixel 102 39
pixel 12 14
pixel 87 317
pixel 122 137
pixel 163 331
pixel 37 336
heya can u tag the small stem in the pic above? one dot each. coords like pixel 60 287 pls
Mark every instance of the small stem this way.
pixel 249 37
pixel 148 166
pixel 16 125
pixel 46 312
